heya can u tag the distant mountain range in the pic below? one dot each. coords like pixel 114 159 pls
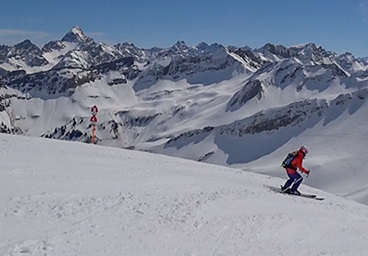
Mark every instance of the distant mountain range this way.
pixel 208 103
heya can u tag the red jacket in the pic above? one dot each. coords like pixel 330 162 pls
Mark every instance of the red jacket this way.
pixel 297 163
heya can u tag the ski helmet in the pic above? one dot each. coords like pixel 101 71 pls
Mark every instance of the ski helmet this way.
pixel 304 149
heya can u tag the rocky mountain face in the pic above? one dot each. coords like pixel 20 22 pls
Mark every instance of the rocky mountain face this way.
pixel 25 52
pixel 173 100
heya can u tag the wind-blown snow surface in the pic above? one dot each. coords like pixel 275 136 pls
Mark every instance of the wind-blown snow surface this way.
pixel 70 198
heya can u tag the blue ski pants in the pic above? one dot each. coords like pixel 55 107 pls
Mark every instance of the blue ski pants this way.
pixel 295 178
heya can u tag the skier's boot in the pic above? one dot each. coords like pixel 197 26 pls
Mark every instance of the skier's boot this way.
pixel 285 190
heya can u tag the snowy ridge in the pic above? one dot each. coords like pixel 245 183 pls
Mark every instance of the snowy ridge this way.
pixel 67 198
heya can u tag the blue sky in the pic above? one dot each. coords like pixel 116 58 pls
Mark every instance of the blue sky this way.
pixel 337 25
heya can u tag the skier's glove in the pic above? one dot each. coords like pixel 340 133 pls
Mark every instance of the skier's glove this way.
pixel 308 171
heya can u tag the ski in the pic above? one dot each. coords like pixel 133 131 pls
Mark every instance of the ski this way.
pixel 279 190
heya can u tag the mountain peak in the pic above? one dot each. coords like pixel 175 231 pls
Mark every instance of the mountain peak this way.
pixel 74 35
pixel 202 46
pixel 180 46
pixel 26 45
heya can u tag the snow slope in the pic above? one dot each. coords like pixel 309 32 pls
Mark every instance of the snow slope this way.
pixel 69 198
pixel 338 151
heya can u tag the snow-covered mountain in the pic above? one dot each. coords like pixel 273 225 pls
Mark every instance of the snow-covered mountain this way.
pixel 232 106
pixel 67 198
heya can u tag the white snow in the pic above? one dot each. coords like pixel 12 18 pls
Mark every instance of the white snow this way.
pixel 18 64
pixel 68 198
pixel 54 56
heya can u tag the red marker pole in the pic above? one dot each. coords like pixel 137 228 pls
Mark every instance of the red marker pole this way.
pixel 93 134
pixel 94 111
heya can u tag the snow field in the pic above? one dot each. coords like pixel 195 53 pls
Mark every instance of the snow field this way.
pixel 68 198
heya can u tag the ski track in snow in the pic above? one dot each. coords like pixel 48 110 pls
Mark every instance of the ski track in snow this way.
pixel 65 198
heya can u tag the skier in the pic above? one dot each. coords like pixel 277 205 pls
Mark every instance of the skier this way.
pixel 295 179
